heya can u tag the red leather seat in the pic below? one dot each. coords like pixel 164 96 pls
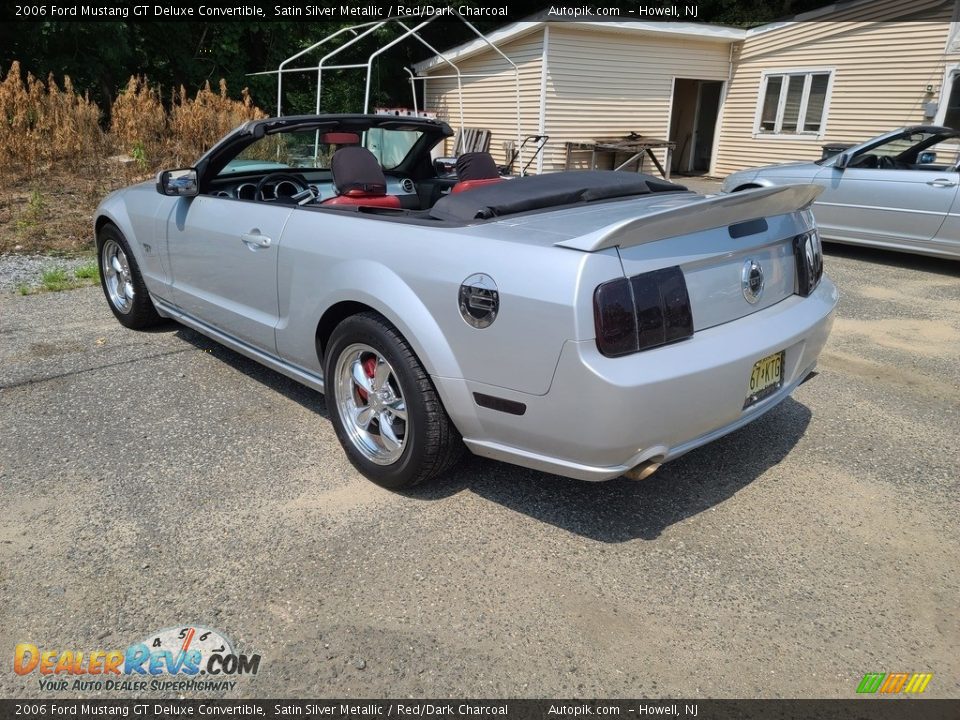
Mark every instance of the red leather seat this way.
pixel 475 170
pixel 367 200
pixel 358 180
pixel 464 185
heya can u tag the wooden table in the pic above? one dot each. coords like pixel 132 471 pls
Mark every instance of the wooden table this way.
pixel 633 145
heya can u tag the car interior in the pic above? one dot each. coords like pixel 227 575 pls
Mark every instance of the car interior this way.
pixel 388 172
pixel 373 168
pixel 920 150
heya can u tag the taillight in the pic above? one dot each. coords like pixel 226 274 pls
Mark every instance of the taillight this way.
pixel 642 312
pixel 615 318
pixel 808 252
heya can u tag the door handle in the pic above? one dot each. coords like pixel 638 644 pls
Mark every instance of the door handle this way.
pixel 941 182
pixel 254 237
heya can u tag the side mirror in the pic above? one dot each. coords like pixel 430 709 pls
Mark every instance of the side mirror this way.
pixel 445 166
pixel 179 183
pixel 927 158
pixel 843 159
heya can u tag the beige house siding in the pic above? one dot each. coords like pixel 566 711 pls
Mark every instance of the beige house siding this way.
pixel 881 72
pixel 581 83
pixel 608 84
pixel 491 102
pixel 585 97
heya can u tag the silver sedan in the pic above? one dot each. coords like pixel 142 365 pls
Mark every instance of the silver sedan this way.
pixel 897 191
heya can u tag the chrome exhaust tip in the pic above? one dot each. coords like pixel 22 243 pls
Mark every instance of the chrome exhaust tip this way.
pixel 644 469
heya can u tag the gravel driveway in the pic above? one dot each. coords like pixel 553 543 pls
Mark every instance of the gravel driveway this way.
pixel 149 480
pixel 19 270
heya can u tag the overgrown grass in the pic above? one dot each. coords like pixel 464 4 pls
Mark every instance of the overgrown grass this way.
pixel 59 279
pixel 55 280
pixel 90 271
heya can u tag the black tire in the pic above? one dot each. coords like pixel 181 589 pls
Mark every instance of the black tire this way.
pixel 431 444
pixel 140 313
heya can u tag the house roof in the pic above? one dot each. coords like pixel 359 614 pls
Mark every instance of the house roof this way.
pixel 699 31
pixel 846 9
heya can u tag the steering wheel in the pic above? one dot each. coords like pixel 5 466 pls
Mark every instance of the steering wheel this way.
pixel 885 162
pixel 276 178
pixel 865 161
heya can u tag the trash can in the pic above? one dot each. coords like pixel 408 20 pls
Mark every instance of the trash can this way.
pixel 831 149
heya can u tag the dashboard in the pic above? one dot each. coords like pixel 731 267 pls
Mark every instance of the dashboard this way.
pixel 288 184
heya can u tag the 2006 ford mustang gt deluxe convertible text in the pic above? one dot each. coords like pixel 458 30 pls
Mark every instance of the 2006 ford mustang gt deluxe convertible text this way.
pixel 590 324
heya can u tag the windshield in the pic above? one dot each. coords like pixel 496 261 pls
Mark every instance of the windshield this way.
pixel 313 149
pixel 899 145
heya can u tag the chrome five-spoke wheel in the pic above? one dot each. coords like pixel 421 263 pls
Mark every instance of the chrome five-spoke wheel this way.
pixel 121 280
pixel 383 405
pixel 371 404
pixel 117 277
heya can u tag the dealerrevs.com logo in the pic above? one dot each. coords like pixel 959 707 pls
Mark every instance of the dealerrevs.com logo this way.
pixel 176 659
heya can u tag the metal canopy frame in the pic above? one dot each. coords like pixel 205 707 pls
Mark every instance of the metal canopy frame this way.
pixel 363 30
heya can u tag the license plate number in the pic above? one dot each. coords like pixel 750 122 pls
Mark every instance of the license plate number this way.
pixel 765 378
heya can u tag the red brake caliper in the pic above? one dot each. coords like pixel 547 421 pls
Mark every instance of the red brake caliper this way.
pixel 369 368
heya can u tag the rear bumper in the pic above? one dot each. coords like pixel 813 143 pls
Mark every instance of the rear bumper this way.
pixel 603 416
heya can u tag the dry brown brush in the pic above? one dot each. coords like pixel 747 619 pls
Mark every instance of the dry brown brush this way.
pixel 138 122
pixel 197 123
pixel 54 164
pixel 40 123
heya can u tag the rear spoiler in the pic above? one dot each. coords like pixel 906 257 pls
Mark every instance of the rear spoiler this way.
pixel 707 213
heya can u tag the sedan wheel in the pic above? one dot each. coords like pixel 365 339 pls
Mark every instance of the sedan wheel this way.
pixel 383 406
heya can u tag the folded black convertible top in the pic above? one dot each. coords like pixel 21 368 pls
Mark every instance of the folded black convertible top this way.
pixel 537 192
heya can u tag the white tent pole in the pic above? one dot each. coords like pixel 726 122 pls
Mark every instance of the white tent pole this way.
pixel 456 69
pixel 516 72
pixel 376 26
pixel 413 90
pixel 371 27
pixel 377 53
pixel 280 68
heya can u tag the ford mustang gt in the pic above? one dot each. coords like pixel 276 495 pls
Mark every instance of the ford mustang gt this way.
pixel 589 324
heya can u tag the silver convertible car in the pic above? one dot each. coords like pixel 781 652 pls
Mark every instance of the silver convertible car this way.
pixel 589 324
pixel 896 191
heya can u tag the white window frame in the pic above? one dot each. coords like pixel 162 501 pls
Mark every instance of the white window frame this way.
pixel 953 36
pixel 805 97
pixel 950 73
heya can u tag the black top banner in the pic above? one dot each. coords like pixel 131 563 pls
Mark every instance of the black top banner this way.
pixel 739 12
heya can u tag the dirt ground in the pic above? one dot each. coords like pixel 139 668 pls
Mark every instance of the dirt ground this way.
pixel 52 212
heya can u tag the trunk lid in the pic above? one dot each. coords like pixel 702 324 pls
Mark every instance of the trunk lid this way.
pixel 719 242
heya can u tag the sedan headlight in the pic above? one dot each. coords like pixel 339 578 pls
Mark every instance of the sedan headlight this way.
pixel 809 256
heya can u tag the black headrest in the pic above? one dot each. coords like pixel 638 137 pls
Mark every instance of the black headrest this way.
pixel 355 169
pixel 476 166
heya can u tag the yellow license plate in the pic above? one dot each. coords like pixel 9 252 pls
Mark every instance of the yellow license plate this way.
pixel 765 378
